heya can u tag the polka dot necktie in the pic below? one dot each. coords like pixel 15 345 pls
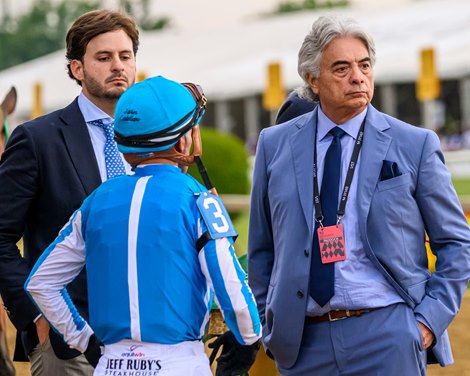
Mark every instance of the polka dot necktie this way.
pixel 112 158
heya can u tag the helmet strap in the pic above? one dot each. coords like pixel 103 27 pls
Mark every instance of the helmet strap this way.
pixel 171 154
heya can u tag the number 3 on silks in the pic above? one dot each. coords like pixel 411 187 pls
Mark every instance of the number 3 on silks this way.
pixel 215 216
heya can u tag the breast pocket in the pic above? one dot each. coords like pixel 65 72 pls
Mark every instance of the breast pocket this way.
pixel 393 203
pixel 395 182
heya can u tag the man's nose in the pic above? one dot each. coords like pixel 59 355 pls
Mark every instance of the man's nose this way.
pixel 118 64
pixel 357 76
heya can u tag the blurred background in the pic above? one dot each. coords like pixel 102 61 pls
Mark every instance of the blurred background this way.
pixel 238 49
pixel 244 54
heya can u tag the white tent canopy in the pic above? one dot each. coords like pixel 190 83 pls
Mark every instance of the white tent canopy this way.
pixel 230 61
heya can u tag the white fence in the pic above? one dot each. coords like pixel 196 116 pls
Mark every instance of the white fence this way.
pixel 458 162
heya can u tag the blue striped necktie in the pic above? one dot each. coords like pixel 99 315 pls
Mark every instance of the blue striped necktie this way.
pixel 322 276
pixel 112 158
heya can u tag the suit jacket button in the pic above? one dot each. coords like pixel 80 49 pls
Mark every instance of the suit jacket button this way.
pixel 300 294
pixel 306 252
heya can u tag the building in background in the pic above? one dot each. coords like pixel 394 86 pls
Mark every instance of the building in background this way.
pixel 227 46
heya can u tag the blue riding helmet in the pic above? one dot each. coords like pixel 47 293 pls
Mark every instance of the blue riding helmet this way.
pixel 154 114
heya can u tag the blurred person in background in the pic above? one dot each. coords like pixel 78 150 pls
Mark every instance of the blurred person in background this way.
pixel 294 105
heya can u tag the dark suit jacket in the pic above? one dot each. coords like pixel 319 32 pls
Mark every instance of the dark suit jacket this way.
pixel 46 171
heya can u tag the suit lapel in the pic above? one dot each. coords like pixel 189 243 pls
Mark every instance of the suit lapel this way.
pixel 78 144
pixel 302 142
pixel 373 152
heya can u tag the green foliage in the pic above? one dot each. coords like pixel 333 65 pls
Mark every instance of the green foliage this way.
pixel 226 162
pixel 39 32
pixel 295 6
pixel 155 24
pixel 43 29
pixel 240 222
pixel 450 127
pixel 140 10
pixel 462 186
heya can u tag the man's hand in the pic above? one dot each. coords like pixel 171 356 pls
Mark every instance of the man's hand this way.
pixel 428 336
pixel 235 358
pixel 42 328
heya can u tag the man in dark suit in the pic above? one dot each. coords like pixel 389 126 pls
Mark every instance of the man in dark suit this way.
pixel 49 166
pixel 294 106
pixel 341 201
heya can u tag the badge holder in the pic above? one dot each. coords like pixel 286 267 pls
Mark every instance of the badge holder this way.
pixel 331 242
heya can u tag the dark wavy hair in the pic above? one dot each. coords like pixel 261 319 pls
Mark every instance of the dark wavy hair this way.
pixel 92 24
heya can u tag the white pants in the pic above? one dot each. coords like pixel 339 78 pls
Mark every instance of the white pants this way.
pixel 132 358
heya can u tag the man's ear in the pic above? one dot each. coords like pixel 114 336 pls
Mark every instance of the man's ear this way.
pixel 76 66
pixel 313 83
pixel 180 145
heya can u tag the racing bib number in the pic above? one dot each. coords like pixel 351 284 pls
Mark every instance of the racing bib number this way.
pixel 217 213
pixel 215 216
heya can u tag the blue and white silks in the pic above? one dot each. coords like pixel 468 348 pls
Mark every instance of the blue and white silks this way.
pixel 137 236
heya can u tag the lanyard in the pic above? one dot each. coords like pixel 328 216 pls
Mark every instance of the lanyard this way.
pixel 347 184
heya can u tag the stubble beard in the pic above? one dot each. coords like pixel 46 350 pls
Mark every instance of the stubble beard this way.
pixel 98 91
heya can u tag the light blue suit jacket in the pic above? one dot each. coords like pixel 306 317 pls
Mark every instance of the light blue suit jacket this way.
pixel 393 217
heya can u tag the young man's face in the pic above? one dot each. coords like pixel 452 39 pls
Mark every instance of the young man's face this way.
pixel 346 83
pixel 108 67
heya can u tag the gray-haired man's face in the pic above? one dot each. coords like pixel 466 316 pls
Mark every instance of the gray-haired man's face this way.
pixel 346 82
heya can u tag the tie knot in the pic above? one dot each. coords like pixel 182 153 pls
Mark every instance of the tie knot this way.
pixel 337 132
pixel 108 127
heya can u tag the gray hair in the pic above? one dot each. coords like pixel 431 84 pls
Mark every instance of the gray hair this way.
pixel 324 30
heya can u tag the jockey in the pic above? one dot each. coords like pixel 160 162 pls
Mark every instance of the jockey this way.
pixel 155 244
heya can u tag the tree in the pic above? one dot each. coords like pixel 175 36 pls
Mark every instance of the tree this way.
pixel 230 173
pixel 296 6
pixel 42 30
pixel 140 10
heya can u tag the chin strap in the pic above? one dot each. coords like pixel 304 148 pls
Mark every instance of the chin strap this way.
pixel 205 176
pixel 170 154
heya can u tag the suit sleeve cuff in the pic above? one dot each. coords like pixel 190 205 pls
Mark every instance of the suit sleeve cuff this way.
pixel 37 318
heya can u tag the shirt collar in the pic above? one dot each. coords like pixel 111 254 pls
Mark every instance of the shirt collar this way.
pixel 153 168
pixel 91 111
pixel 351 127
